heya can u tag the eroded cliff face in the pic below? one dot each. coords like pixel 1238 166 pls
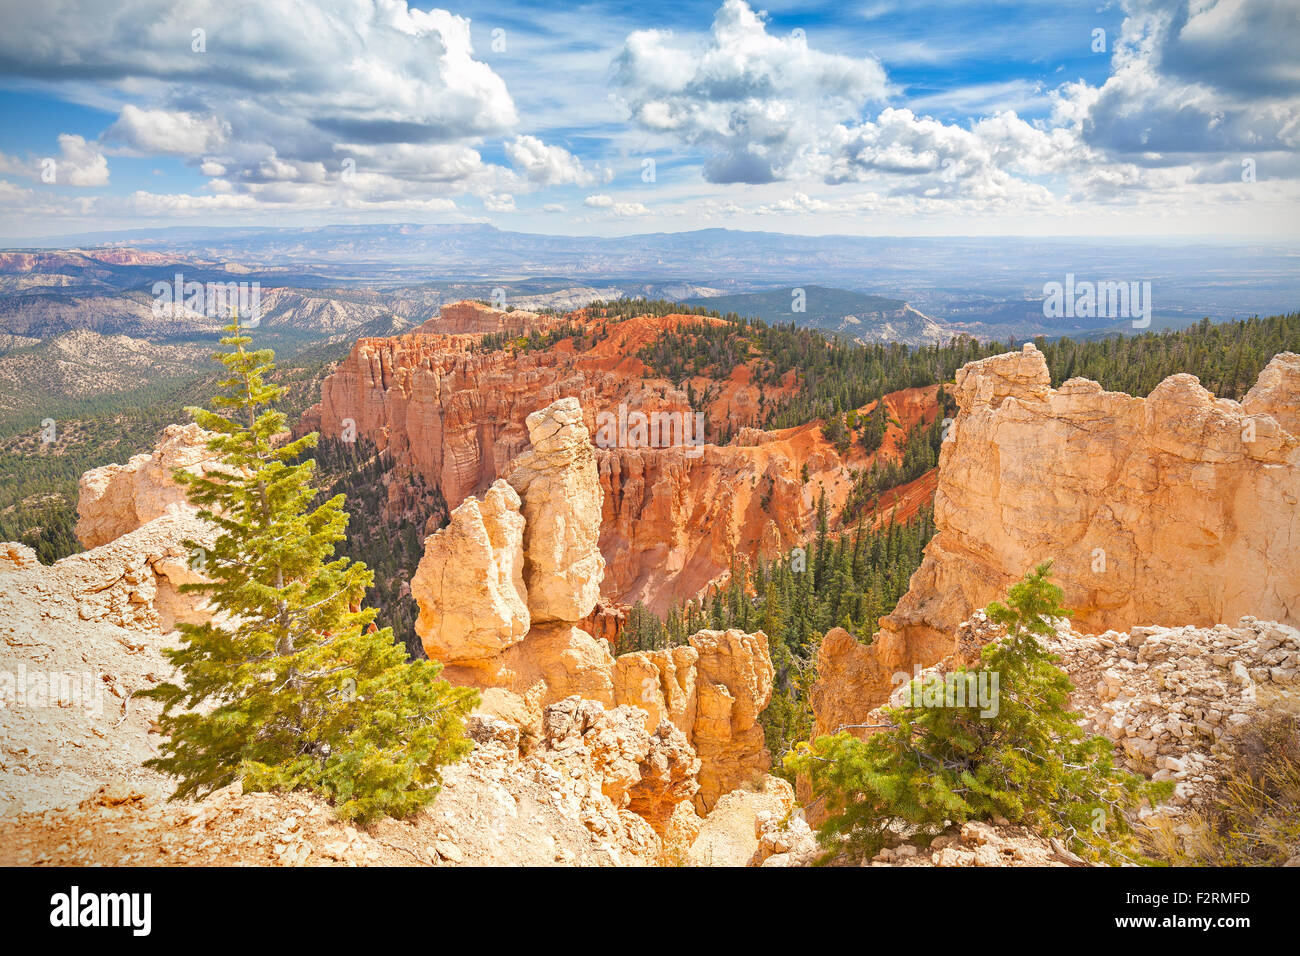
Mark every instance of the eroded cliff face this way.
pixel 1174 509
pixel 673 522
pixel 459 416
pixel 674 518
pixel 708 693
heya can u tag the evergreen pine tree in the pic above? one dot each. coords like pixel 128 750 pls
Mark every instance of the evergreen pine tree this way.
pixel 1027 761
pixel 290 686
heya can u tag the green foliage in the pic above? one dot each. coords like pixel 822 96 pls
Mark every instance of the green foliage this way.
pixel 1028 761
pixel 290 686
pixel 38 498
pixel 920 454
pixel 390 543
pixel 874 425
pixel 849 580
pixel 830 375
pixel 1226 356
pixel 535 340
pixel 618 309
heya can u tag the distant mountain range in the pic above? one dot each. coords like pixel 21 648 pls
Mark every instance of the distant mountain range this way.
pixel 995 281
pixel 855 316
pixel 330 285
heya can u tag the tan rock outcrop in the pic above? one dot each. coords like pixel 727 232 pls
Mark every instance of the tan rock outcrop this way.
pixel 1174 509
pixel 554 661
pixel 976 843
pixel 470 584
pixel 117 499
pixel 648 773
pixel 709 693
pixel 784 840
pixel 557 482
pixel 606 621
pixel 662 683
pixel 134 580
pixel 78 639
pixel 733 685
pixel 713 689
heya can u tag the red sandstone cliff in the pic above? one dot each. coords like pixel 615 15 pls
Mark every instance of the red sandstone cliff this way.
pixel 674 518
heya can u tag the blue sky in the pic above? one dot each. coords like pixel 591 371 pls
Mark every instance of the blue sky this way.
pixel 1131 117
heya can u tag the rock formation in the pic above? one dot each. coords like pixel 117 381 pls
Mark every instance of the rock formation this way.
pixel 976 843
pixel 470 582
pixel 662 683
pixel 713 690
pixel 116 499
pixel 135 520
pixel 557 483
pixel 502 588
pixel 734 684
pixel 1174 509
pixel 77 639
pixel 672 521
pixel 648 773
pixel 554 661
pixel 606 621
pixel 784 839
pixel 474 609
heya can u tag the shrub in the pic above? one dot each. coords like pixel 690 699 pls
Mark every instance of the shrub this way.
pixel 1028 761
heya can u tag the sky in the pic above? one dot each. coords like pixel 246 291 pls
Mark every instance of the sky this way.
pixel 880 117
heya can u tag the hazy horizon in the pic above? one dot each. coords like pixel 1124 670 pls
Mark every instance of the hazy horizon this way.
pixel 1025 118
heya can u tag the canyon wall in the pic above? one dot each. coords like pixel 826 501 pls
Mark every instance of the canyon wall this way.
pixel 673 518
pixel 1174 509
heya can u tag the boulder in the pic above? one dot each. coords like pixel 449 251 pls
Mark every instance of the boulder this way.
pixel 116 499
pixel 469 584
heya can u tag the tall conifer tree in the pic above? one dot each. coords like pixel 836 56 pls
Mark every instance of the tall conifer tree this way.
pixel 290 686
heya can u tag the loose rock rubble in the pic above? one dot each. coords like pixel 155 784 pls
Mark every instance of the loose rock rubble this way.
pixel 784 840
pixel 1172 698
pixel 980 844
pixel 729 834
